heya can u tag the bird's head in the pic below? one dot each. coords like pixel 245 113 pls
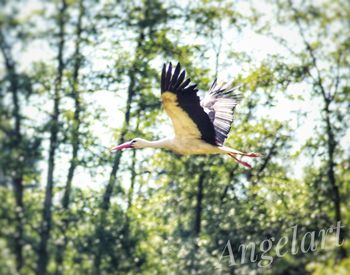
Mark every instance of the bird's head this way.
pixel 134 143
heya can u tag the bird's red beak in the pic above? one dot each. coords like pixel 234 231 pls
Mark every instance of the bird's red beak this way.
pixel 122 146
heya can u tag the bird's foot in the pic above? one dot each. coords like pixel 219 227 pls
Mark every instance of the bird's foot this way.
pixel 245 164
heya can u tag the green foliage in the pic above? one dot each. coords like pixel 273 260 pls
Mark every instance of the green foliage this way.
pixel 158 212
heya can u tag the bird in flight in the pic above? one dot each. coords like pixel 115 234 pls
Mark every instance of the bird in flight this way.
pixel 200 126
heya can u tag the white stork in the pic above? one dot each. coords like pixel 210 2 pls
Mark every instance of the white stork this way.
pixel 201 126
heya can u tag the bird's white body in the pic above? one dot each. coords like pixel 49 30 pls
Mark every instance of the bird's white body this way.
pixel 183 146
pixel 186 146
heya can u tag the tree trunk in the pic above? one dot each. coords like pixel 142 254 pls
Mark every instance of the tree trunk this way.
pixel 331 143
pixel 74 139
pixel 132 179
pixel 46 222
pixel 132 168
pixel 197 223
pixel 331 177
pixel 198 211
pixel 112 177
pixel 17 180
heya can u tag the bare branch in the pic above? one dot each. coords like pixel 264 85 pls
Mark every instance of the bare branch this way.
pixel 311 52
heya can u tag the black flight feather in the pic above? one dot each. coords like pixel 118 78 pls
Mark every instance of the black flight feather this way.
pixel 188 100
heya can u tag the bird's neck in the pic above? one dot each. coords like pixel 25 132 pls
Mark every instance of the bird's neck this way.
pixel 161 143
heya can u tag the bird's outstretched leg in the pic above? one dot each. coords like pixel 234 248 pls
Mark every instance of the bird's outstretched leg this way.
pixel 236 152
pixel 251 154
pixel 245 164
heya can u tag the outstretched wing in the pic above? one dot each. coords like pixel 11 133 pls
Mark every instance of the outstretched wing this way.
pixel 182 104
pixel 220 104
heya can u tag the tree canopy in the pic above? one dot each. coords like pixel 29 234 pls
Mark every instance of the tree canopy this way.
pixel 80 76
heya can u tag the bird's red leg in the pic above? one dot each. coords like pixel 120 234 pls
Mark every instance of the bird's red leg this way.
pixel 236 152
pixel 251 155
pixel 245 164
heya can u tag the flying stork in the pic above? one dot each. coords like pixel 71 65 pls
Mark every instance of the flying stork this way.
pixel 200 126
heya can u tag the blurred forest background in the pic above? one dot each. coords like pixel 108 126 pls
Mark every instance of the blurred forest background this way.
pixel 80 76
